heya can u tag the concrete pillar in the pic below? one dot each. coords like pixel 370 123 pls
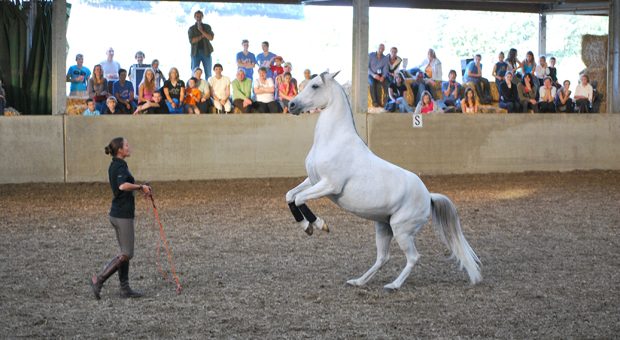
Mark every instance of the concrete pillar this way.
pixel 359 81
pixel 613 58
pixel 542 35
pixel 59 57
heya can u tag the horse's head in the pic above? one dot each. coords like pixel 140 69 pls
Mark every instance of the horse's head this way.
pixel 315 95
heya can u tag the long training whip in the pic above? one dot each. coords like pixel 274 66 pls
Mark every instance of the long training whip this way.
pixel 162 236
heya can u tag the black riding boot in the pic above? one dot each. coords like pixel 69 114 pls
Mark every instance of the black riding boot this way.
pixel 96 281
pixel 123 276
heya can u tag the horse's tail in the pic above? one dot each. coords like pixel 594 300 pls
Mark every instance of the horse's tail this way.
pixel 446 220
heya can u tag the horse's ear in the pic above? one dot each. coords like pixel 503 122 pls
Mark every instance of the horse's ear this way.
pixel 328 76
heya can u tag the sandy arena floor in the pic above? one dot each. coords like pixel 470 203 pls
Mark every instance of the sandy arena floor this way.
pixel 548 243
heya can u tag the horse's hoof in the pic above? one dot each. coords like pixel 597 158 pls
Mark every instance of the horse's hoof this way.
pixel 389 290
pixel 309 230
pixel 325 227
pixel 349 284
pixel 320 224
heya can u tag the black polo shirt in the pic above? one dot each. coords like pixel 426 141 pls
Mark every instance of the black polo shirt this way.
pixel 123 203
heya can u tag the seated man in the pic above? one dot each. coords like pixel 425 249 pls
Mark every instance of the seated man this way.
pixel 158 105
pixel 205 92
pixel 474 75
pixel 419 86
pixel 220 89
pixel 123 91
pixel 378 70
pixel 242 92
pixel 450 89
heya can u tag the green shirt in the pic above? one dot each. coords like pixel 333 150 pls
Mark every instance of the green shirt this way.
pixel 242 89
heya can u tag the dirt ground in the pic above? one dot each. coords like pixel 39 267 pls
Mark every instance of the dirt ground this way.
pixel 548 243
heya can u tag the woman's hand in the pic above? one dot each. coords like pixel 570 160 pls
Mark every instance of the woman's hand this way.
pixel 145 190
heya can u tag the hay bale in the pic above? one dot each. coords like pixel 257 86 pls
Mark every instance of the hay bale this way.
pixel 9 111
pixel 76 106
pixel 594 50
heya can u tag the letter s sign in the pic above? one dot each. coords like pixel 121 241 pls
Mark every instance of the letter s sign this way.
pixel 417 120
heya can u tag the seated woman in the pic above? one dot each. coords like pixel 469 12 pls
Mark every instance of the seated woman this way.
pixel 547 97
pixel 563 102
pixel 509 95
pixel 174 90
pixel 514 66
pixel 529 64
pixel 98 88
pixel 264 89
pixel 583 94
pixel 428 105
pixel 469 104
pixel 145 91
pixel 528 92
pixel 287 92
pixel 431 67
pixel 394 62
pixel 397 92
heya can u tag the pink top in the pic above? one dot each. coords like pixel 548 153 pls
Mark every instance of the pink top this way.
pixel 148 95
pixel 290 89
pixel 428 108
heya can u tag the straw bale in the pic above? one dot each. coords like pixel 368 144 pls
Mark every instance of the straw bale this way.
pixel 594 50
pixel 76 106
pixel 9 111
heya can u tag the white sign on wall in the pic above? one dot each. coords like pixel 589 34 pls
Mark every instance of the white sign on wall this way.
pixel 417 120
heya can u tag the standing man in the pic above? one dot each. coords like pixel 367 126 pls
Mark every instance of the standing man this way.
pixel 78 77
pixel 378 69
pixel 246 61
pixel 109 66
pixel 265 59
pixel 242 92
pixel 200 36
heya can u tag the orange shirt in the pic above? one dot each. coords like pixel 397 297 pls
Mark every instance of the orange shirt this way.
pixel 189 99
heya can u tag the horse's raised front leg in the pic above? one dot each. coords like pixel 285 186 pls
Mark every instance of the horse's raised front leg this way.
pixel 321 189
pixel 384 237
pixel 405 241
pixel 290 199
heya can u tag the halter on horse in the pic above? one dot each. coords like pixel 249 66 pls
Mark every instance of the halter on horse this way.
pixel 342 168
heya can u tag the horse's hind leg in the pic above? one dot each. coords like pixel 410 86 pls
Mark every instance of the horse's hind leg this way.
pixel 384 237
pixel 405 241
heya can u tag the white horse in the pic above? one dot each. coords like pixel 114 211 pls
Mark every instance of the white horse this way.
pixel 342 168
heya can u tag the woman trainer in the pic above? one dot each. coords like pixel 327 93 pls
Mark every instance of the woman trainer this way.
pixel 121 217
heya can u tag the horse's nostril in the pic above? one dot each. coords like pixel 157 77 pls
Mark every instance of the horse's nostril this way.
pixel 292 105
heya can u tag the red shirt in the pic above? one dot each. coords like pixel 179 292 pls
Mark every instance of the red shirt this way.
pixel 428 108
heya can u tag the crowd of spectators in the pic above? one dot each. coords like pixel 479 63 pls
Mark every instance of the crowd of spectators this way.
pixel 522 85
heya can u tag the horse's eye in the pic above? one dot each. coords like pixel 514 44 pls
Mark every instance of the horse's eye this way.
pixel 315 86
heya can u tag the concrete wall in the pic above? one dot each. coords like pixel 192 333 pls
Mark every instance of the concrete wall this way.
pixel 171 147
pixel 31 149
pixel 449 144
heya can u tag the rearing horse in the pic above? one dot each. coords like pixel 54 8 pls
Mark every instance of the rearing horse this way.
pixel 342 168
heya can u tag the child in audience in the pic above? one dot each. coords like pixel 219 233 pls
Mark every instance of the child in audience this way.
pixel 553 72
pixel 469 104
pixel 563 102
pixel 529 64
pixel 159 75
pixel 277 69
pixel 111 107
pixel 542 70
pixel 499 70
pixel 91 111
pixel 192 96
pixel 287 92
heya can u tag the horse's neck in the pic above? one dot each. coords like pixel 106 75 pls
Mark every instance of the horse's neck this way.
pixel 336 120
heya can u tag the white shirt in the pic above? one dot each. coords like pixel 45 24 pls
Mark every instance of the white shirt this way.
pixel 543 91
pixel 265 97
pixel 110 68
pixel 219 86
pixel 584 91
pixel 436 66
pixel 542 72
